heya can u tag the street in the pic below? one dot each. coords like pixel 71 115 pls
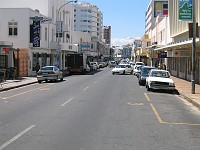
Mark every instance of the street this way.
pixel 97 111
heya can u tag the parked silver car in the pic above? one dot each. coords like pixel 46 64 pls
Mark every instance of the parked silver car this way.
pixel 51 73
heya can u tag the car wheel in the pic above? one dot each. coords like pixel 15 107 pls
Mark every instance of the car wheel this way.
pixel 132 72
pixel 123 72
pixel 113 73
pixel 61 79
pixel 148 89
pixel 39 81
pixel 139 82
pixel 56 80
pixel 172 91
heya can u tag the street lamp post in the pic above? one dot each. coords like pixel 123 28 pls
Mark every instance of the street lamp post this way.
pixel 193 48
pixel 59 30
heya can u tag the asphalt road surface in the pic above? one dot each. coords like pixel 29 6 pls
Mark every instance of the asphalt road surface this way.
pixel 97 111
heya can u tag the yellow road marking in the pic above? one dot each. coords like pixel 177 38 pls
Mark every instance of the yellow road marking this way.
pixel 135 104
pixel 157 114
pixel 183 123
pixel 44 89
pixel 154 109
pixel 24 92
pixel 163 122
pixel 147 97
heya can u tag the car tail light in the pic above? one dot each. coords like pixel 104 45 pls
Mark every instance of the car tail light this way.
pixel 51 72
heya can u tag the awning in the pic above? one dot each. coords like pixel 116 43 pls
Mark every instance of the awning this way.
pixel 154 46
pixel 180 45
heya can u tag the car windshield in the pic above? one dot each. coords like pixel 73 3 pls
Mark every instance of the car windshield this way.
pixel 140 63
pixel 161 74
pixel 47 68
pixel 145 71
pixel 121 66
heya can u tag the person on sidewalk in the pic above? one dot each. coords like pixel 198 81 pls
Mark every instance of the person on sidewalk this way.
pixel 37 67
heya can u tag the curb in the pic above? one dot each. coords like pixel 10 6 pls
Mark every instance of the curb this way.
pixel 189 99
pixel 13 87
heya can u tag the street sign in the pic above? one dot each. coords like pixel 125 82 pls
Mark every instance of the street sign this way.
pixel 58 26
pixel 162 55
pixel 46 20
pixel 185 10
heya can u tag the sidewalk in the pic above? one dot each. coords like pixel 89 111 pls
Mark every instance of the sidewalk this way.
pixel 185 89
pixel 182 86
pixel 11 84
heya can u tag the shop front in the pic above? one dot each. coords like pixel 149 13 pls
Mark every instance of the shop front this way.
pixel 179 60
pixel 8 65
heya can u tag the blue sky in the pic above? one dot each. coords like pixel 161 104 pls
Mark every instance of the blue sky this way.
pixel 126 18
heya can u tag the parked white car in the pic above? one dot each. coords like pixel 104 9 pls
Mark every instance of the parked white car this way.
pixel 122 69
pixel 159 79
pixel 137 66
pixel 51 73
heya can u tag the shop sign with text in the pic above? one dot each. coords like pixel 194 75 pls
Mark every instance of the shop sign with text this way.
pixel 185 10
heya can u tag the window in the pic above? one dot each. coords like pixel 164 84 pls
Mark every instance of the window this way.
pixel 12 28
pixel 3 61
pixel 45 34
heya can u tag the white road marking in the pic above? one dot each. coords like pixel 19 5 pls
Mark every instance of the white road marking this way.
pixel 16 137
pixel 85 88
pixel 67 102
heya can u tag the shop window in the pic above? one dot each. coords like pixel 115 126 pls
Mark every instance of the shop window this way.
pixel 35 60
pixel 2 61
pixel 182 65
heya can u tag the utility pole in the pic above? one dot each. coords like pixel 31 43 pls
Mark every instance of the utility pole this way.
pixel 193 48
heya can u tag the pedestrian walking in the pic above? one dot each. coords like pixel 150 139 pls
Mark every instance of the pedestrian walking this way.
pixel 37 67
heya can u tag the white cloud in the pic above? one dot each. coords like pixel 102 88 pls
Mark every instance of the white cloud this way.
pixel 122 41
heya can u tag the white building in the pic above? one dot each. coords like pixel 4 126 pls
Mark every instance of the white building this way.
pixel 16 28
pixel 88 18
pixel 155 8
pixel 179 49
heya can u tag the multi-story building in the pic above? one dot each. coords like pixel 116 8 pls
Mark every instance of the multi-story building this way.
pixel 88 19
pixel 107 34
pixel 126 51
pixel 107 39
pixel 36 36
pixel 171 44
pixel 179 50
pixel 155 8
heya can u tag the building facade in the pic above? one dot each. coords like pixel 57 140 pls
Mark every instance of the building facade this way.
pixel 88 19
pixel 171 44
pixel 18 26
pixel 107 34
pixel 155 8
